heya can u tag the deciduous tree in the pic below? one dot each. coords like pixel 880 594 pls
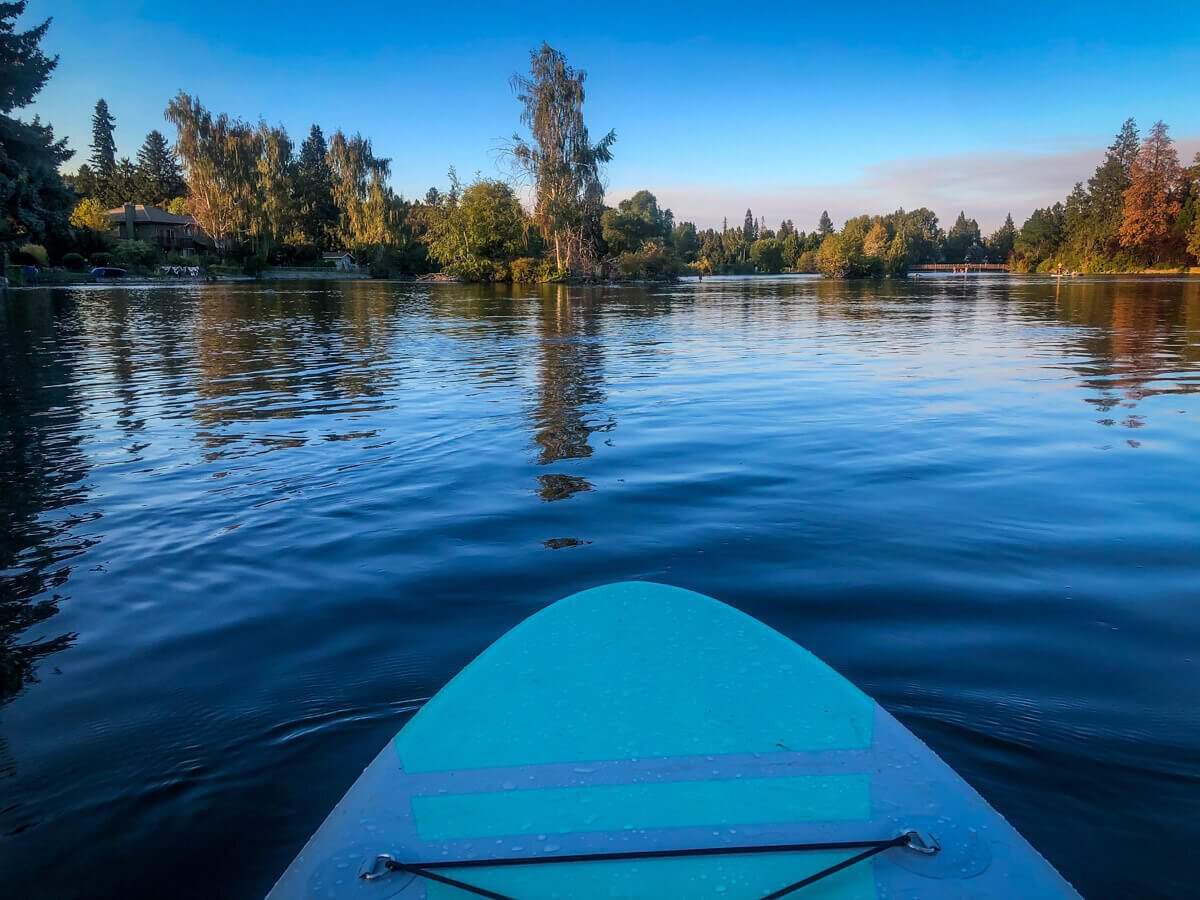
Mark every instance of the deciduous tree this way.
pixel 90 214
pixel 219 157
pixel 480 233
pixel 559 158
pixel 766 255
pixel 1151 203
pixel 360 191
pixel 635 221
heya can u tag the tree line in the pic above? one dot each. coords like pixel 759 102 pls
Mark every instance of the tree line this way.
pixel 1139 209
pixel 263 199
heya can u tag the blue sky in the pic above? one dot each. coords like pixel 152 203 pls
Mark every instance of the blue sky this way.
pixel 785 107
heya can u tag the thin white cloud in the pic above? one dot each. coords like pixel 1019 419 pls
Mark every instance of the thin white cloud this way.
pixel 986 185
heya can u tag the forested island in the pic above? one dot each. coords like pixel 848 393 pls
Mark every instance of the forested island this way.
pixel 260 200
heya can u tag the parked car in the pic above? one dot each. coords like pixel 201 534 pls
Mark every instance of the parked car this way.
pixel 108 272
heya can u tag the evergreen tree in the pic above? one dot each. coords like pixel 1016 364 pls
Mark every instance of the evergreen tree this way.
pixel 1039 239
pixel 825 226
pixel 159 176
pixel 1151 201
pixel 1189 219
pixel 124 185
pixel 963 243
pixel 749 229
pixel 104 146
pixel 35 204
pixel 686 241
pixel 790 245
pixel 314 190
pixel 1000 244
pixel 1106 193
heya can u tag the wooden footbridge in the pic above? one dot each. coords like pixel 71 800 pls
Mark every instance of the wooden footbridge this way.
pixel 961 268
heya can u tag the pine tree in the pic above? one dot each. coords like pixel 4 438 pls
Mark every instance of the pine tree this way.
pixel 124 185
pixel 749 228
pixel 104 146
pixel 317 213
pixel 159 176
pixel 1151 201
pixel 825 226
pixel 1106 189
pixel 34 201
pixel 962 242
pixel 1000 244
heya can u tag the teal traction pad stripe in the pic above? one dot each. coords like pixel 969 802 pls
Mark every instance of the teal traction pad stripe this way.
pixel 735 801
pixel 635 671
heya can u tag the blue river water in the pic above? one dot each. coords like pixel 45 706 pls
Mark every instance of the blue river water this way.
pixel 247 529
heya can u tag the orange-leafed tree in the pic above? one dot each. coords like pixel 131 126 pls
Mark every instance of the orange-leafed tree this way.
pixel 1152 198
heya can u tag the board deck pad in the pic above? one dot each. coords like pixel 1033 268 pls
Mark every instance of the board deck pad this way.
pixel 636 717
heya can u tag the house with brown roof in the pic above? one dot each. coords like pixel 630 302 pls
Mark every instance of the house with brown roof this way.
pixel 169 232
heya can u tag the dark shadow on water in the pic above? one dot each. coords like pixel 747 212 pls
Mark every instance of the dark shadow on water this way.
pixel 43 472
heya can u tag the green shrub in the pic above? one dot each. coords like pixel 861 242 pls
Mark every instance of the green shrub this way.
pixel 101 259
pixel 254 265
pixel 653 260
pixel 74 261
pixel 528 270
pixel 135 255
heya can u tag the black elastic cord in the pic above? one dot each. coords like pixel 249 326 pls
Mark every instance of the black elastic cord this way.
pixel 872 848
pixel 836 867
pixel 442 879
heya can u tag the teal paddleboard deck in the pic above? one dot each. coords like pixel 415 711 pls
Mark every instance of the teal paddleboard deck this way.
pixel 643 741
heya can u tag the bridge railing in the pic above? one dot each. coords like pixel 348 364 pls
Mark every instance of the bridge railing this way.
pixel 961 267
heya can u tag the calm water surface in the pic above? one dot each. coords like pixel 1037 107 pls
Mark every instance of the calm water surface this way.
pixel 246 530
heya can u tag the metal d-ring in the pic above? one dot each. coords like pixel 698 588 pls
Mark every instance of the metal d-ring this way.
pixel 374 869
pixel 920 842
